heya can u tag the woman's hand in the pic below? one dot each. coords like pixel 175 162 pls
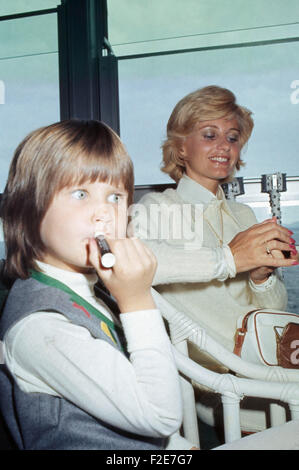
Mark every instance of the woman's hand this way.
pixel 260 275
pixel 130 279
pixel 260 246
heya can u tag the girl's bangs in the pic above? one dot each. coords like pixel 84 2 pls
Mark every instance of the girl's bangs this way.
pixel 92 168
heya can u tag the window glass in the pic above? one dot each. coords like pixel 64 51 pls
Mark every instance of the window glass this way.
pixel 140 26
pixel 22 6
pixel 249 47
pixel 28 36
pixel 264 78
pixel 29 81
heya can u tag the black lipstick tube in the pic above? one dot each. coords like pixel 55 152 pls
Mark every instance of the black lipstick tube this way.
pixel 107 258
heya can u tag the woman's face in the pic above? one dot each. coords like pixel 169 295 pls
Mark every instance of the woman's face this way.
pixel 212 151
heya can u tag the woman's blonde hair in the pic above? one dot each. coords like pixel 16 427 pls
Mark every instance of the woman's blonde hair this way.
pixel 47 160
pixel 209 103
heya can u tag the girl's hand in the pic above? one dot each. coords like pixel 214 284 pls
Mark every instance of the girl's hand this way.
pixel 130 279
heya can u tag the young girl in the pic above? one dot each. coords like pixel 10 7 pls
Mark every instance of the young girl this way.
pixel 77 375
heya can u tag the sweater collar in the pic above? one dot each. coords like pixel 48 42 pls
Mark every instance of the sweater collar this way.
pixel 193 192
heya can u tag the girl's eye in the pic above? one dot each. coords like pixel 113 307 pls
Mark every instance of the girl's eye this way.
pixel 114 198
pixel 79 194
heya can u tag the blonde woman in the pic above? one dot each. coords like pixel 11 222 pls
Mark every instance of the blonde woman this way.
pixel 229 267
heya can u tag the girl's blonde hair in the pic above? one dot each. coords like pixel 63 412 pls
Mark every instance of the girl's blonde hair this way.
pixel 209 103
pixel 47 160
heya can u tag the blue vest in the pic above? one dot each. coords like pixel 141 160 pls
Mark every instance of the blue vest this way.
pixel 42 421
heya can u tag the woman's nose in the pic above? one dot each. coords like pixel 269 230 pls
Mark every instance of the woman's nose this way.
pixel 223 143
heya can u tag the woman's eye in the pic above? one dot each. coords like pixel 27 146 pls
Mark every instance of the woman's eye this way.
pixel 233 138
pixel 79 194
pixel 209 136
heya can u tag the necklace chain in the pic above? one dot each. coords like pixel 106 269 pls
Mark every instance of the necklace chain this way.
pixel 219 238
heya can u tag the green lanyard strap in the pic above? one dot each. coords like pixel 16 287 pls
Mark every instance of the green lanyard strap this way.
pixel 52 282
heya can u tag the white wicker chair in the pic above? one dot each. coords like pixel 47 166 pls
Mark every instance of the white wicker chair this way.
pixel 274 383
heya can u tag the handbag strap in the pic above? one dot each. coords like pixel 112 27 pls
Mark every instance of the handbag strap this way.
pixel 241 333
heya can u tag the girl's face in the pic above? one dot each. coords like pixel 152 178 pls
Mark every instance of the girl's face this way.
pixel 75 215
pixel 212 151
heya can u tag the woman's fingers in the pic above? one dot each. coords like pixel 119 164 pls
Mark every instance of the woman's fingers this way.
pixel 270 231
pixel 252 248
pixel 272 227
pixel 278 245
pixel 277 254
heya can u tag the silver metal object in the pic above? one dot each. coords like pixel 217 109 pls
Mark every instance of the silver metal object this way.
pixel 233 188
pixel 274 184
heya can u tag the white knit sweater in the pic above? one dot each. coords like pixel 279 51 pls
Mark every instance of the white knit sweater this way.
pixel 201 280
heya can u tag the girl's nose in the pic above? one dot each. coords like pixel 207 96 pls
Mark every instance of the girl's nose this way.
pixel 102 213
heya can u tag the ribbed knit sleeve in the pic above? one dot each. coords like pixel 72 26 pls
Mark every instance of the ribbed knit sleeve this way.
pixel 271 294
pixel 179 260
